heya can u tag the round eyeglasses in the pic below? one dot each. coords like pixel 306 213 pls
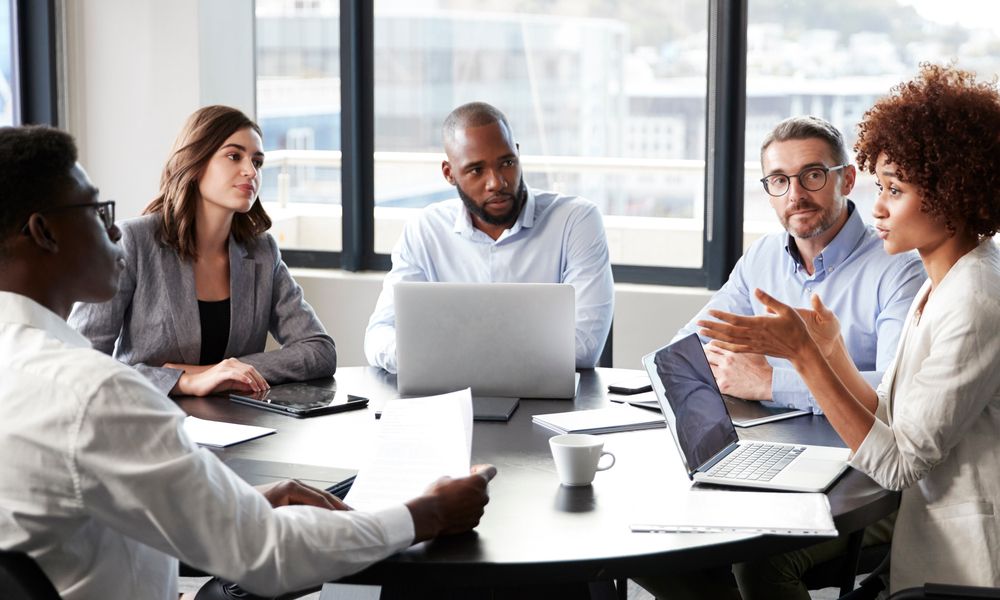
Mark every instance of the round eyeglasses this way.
pixel 811 178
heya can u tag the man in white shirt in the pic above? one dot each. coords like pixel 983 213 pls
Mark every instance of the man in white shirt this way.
pixel 99 483
pixel 499 230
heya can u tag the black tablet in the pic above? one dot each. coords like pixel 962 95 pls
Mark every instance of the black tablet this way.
pixel 493 408
pixel 301 400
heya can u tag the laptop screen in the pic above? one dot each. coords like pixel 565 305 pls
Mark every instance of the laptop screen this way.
pixel 701 424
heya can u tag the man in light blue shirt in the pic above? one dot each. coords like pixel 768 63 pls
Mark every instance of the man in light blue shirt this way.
pixel 826 249
pixel 498 230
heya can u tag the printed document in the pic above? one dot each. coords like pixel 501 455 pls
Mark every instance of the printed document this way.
pixel 418 441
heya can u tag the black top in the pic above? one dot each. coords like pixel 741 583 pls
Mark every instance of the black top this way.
pixel 214 330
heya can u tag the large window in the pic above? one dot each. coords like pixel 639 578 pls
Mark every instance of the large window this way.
pixel 835 60
pixel 634 105
pixel 606 99
pixel 298 108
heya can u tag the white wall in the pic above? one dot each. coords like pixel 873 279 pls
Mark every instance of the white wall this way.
pixel 134 71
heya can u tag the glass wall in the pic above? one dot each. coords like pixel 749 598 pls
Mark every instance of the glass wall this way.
pixel 834 61
pixel 298 108
pixel 606 99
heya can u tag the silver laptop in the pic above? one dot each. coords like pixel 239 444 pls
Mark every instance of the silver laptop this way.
pixel 500 339
pixel 697 418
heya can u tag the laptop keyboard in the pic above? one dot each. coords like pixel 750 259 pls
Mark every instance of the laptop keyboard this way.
pixel 755 462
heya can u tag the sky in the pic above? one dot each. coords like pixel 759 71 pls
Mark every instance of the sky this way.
pixel 967 13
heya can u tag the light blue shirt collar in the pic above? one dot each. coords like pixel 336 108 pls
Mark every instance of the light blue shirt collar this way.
pixel 837 251
pixel 464 227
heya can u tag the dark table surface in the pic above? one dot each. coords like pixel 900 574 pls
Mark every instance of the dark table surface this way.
pixel 534 529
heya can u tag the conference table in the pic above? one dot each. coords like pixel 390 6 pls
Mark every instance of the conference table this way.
pixel 536 531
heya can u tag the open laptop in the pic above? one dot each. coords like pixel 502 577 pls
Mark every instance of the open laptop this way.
pixel 500 339
pixel 697 418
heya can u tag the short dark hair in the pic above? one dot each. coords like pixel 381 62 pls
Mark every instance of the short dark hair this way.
pixel 807 128
pixel 473 114
pixel 35 165
pixel 942 131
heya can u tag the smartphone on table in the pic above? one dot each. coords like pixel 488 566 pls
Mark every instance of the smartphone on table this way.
pixel 635 385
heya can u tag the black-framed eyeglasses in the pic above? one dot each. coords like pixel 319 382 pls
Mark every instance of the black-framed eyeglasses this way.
pixel 810 178
pixel 105 210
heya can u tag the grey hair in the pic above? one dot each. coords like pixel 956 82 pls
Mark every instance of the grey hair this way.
pixel 804 128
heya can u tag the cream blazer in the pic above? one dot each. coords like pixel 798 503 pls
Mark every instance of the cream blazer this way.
pixel 937 435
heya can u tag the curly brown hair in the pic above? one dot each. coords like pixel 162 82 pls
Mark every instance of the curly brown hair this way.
pixel 942 132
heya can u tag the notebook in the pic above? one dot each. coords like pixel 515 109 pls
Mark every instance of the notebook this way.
pixel 699 423
pixel 500 339
pixel 612 419
pixel 744 413
pixel 747 413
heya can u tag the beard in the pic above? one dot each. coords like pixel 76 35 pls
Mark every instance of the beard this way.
pixel 828 218
pixel 478 210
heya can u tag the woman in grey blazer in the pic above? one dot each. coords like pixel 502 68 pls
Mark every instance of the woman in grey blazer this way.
pixel 203 282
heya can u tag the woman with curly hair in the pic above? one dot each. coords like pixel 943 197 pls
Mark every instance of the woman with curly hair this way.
pixel 931 428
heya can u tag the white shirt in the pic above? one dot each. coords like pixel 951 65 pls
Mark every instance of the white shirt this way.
pixel 556 239
pixel 100 485
pixel 937 432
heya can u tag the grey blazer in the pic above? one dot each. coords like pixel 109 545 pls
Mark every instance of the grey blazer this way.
pixel 154 319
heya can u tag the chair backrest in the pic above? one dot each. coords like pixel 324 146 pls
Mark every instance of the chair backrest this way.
pixel 606 359
pixel 22 579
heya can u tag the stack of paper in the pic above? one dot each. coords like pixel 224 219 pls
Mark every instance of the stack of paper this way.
pixel 219 434
pixel 419 440
pixel 601 420
pixel 711 511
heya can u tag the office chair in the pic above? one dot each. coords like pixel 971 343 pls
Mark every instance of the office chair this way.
pixel 22 579
pixel 605 360
pixel 940 591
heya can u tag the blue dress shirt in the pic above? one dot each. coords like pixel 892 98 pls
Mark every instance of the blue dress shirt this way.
pixel 869 291
pixel 556 239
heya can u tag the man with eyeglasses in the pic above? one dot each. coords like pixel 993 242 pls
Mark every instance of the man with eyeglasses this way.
pixel 826 249
pixel 99 484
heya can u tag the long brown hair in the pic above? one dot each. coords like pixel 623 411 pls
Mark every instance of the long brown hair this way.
pixel 203 134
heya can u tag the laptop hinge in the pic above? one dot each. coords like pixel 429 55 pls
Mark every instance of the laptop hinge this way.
pixel 707 466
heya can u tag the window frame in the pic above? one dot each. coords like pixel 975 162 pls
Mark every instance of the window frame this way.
pixel 722 233
pixel 35 62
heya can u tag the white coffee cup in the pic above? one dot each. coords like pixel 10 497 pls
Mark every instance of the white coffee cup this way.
pixel 576 456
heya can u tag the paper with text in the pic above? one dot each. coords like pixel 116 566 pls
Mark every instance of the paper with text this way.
pixel 712 511
pixel 418 441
